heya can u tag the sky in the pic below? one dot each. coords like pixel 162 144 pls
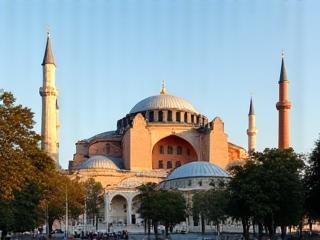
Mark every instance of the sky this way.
pixel 111 54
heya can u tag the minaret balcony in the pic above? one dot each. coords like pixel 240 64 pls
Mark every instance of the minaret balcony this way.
pixel 283 105
pixel 48 91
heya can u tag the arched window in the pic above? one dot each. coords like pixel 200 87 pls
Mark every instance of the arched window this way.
pixel 151 116
pixel 192 119
pixel 185 117
pixel 108 148
pixel 161 149
pixel 169 119
pixel 160 164
pixel 178 164
pixel 160 116
pixel 169 164
pixel 178 119
pixel 170 149
pixel 179 150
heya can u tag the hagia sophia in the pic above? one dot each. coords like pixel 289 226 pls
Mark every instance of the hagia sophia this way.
pixel 163 139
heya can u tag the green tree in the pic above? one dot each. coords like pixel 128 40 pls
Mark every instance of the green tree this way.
pixel 148 204
pixel 312 183
pixel 171 209
pixel 268 190
pixel 94 199
pixel 200 208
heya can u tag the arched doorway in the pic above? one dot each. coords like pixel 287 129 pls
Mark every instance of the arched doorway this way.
pixel 171 152
pixel 135 215
pixel 118 213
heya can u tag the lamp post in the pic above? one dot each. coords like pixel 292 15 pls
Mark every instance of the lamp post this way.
pixel 66 216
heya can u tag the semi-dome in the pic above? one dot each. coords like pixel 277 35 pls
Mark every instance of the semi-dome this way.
pixel 197 169
pixel 163 101
pixel 98 162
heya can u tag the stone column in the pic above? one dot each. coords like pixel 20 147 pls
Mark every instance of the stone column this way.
pixel 129 211
pixel 106 210
pixel 174 116
pixel 165 115
pixel 156 115
pixel 188 117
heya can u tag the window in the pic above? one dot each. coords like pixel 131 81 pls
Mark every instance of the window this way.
pixel 200 183
pixel 169 116
pixel 185 117
pixel 178 164
pixel 160 116
pixel 192 119
pixel 108 148
pixel 170 149
pixel 179 150
pixel 151 116
pixel 160 164
pixel 178 119
pixel 188 151
pixel 169 164
pixel 189 183
pixel 161 149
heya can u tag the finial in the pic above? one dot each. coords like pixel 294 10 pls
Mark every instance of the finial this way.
pixel 282 54
pixel 163 89
pixel 48 31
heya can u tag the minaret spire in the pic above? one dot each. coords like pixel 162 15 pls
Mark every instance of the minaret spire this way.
pixel 50 110
pixel 283 107
pixel 251 131
pixel 48 55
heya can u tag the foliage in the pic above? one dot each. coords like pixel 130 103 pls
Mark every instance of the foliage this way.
pixel 94 198
pixel 161 206
pixel 312 183
pixel 268 189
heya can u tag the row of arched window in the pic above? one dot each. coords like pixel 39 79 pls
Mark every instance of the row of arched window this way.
pixel 169 164
pixel 170 150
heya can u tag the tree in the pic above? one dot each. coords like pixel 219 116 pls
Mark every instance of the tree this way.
pixel 94 198
pixel 200 208
pixel 268 190
pixel 18 143
pixel 148 205
pixel 312 183
pixel 172 208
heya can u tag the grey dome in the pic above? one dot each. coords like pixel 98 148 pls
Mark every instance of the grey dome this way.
pixel 98 162
pixel 163 101
pixel 197 169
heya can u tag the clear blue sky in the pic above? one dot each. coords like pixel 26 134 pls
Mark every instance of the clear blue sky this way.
pixel 110 54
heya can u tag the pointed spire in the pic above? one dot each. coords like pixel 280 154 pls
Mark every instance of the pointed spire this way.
pixel 283 72
pixel 163 89
pixel 48 56
pixel 251 109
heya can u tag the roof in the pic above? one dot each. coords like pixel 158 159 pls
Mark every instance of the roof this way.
pixel 251 110
pixel 197 169
pixel 48 55
pixel 163 101
pixel 283 72
pixel 101 162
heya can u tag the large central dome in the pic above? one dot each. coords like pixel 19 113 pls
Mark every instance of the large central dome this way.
pixel 163 101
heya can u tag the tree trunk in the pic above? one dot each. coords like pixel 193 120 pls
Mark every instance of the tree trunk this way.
pixel 310 225
pixel 283 232
pixel 167 229
pixel 245 227
pixel 203 225
pixel 149 226
pixel 155 228
pixel 260 230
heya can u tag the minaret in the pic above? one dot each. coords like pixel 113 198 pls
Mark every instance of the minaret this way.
pixel 252 131
pixel 50 117
pixel 283 106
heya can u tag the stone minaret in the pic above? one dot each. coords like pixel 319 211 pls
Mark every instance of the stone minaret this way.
pixel 283 106
pixel 50 117
pixel 252 131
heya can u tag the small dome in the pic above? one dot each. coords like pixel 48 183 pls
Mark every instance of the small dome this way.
pixel 98 162
pixel 197 169
pixel 163 101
